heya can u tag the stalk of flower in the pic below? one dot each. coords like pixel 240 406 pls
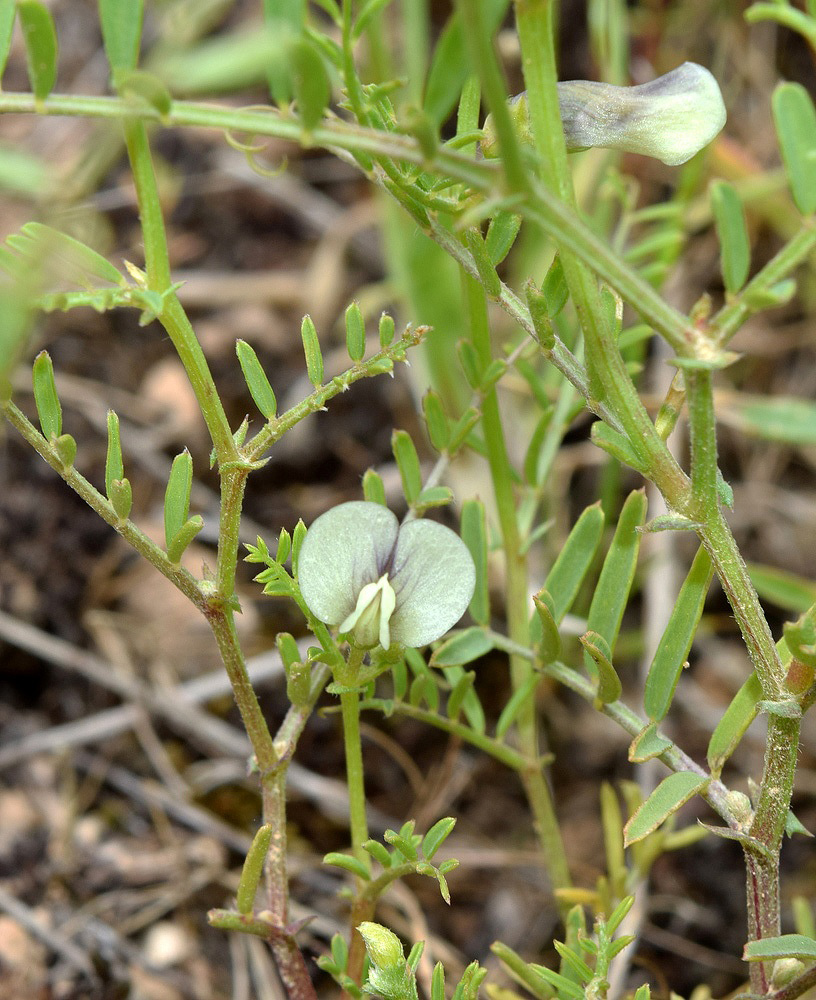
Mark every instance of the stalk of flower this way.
pixel 670 118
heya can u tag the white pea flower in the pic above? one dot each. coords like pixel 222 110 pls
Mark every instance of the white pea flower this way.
pixel 383 582
pixel 670 118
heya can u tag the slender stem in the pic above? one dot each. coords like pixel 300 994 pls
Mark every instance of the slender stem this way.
pixel 172 317
pixel 703 438
pixel 233 483
pixel 674 758
pixel 608 379
pixel 362 907
pixel 498 751
pixel 350 707
pixel 517 599
pixel 347 676
pixel 742 596
pixel 222 623
pixel 157 260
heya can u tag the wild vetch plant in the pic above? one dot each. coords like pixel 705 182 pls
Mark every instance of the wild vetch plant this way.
pixel 480 223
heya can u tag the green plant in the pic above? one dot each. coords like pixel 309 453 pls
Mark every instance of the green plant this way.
pixel 453 212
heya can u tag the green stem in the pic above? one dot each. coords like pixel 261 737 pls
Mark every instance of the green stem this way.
pixel 742 596
pixel 517 597
pixel 703 439
pixel 498 751
pixel 608 379
pixel 157 261
pixel 222 623
pixel 172 317
pixel 768 826
pixel 350 709
pixel 716 793
pixel 233 483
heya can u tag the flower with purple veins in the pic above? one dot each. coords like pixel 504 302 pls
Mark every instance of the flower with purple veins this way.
pixel 382 582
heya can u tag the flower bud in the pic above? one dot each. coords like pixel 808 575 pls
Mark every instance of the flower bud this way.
pixel 670 118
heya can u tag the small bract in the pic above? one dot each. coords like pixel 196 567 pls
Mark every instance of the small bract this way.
pixel 381 582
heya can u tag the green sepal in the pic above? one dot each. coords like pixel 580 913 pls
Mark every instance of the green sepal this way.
pixel 253 869
pixel 121 24
pixel 675 643
pixel 618 572
pixel 463 647
pixel 405 455
pixel 795 120
pixel 735 246
pixel 114 463
pixel 474 535
pixel 574 560
pixel 736 719
pixel 617 445
pixel 191 527
pixel 549 643
pixel 348 863
pixel 608 683
pixel 648 744
pixel 501 235
pixel 46 399
pixel 177 496
pixel 40 38
pixel 120 495
pixel 66 448
pixel 460 691
pixel 311 349
pixel 255 377
pixel 386 330
pixel 355 332
pixel 436 836
pixel 310 82
pixel 484 265
pixel 436 420
pixel 672 792
pixel 374 487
